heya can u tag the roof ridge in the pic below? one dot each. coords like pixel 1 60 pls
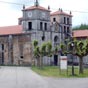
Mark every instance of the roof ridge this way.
pixel 34 7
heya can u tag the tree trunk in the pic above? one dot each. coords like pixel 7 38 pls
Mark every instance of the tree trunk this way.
pixel 40 62
pixel 81 65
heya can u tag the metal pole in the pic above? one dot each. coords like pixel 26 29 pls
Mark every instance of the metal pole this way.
pixel 72 66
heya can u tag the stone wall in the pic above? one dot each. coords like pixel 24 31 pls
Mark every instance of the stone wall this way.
pixel 12 52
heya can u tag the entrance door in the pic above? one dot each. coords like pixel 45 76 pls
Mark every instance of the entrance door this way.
pixel 55 60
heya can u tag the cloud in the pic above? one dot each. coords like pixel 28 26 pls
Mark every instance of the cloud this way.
pixel 10 12
pixel 71 5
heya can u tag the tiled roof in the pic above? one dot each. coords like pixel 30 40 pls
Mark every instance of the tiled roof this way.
pixel 36 7
pixel 17 29
pixel 60 13
pixel 80 33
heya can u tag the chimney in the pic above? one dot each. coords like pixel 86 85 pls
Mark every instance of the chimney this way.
pixel 48 7
pixel 61 10
pixel 70 12
pixel 23 7
pixel 36 3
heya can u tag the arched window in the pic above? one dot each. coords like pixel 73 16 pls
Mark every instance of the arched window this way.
pixel 55 38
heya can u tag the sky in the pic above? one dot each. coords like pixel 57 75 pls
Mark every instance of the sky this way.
pixel 9 13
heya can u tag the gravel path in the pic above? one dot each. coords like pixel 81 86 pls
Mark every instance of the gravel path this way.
pixel 24 77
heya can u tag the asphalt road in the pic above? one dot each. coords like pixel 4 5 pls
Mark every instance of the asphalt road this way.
pixel 24 77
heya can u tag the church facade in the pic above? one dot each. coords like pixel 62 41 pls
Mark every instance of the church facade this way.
pixel 39 24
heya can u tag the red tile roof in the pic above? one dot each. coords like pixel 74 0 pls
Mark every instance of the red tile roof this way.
pixel 36 7
pixel 60 13
pixel 17 29
pixel 80 33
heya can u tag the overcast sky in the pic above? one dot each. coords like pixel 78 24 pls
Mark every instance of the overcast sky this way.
pixel 9 13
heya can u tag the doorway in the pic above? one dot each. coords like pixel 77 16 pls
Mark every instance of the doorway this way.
pixel 55 60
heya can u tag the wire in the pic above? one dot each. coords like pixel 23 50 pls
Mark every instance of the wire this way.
pixel 51 8
pixel 11 3
pixel 71 10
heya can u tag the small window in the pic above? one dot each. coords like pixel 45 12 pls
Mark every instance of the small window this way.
pixel 29 25
pixel 21 57
pixel 43 38
pixel 21 50
pixel 54 19
pixel 2 46
pixel 55 38
pixel 68 30
pixel 64 20
pixel 41 26
pixel 64 29
pixel 45 26
pixel 67 20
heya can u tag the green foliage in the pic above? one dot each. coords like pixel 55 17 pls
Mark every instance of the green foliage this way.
pixel 81 27
pixel 35 43
pixel 49 49
pixel 43 49
pixel 63 48
pixel 36 52
pixel 56 49
pixel 79 48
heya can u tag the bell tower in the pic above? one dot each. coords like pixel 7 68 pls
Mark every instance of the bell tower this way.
pixel 36 17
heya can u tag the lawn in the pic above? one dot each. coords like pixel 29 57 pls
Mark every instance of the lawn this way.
pixel 53 71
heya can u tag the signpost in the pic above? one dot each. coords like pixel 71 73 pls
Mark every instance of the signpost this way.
pixel 63 62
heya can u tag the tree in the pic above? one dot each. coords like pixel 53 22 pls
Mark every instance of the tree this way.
pixel 45 49
pixel 79 49
pixel 81 27
pixel 36 51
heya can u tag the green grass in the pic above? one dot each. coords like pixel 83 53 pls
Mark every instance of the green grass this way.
pixel 53 71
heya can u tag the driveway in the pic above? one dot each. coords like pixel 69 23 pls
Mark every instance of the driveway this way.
pixel 24 77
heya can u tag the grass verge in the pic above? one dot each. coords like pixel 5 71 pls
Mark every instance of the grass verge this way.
pixel 53 71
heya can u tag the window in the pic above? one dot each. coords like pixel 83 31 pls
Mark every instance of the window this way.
pixel 64 29
pixel 43 38
pixel 21 50
pixel 68 30
pixel 67 20
pixel 2 46
pixel 64 20
pixel 2 54
pixel 55 38
pixel 2 57
pixel 45 26
pixel 29 25
pixel 41 26
pixel 54 19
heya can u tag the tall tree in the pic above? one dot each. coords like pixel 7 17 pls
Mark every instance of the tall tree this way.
pixel 79 48
pixel 45 49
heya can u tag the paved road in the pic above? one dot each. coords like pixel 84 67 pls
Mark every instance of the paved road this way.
pixel 24 77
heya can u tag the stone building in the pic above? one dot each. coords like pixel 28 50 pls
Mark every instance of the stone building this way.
pixel 14 46
pixel 37 23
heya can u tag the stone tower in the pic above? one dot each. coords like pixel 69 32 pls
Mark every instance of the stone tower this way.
pixel 36 18
pixel 64 20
